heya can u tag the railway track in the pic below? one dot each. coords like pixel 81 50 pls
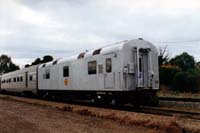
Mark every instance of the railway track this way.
pixel 128 107
pixel 170 112
pixel 179 99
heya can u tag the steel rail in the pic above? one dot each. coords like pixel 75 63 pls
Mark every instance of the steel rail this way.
pixel 179 99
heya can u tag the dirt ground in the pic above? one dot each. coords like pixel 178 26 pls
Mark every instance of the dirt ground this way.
pixel 25 118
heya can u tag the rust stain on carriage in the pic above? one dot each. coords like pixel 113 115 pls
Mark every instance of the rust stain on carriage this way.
pixel 66 82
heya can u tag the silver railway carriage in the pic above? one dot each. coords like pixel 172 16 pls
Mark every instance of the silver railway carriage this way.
pixel 24 80
pixel 125 71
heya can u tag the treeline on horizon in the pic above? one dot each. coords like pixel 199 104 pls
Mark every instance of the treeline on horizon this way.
pixel 180 73
pixel 6 64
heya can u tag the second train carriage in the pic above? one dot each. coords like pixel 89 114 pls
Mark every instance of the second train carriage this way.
pixel 24 80
pixel 124 71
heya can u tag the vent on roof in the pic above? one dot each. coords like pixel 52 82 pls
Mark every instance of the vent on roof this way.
pixel 55 62
pixel 81 55
pixel 43 65
pixel 97 52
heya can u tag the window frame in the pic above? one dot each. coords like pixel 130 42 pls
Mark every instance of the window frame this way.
pixel 14 79
pixel 110 63
pixel 92 71
pixel 47 74
pixel 30 77
pixel 65 71
pixel 21 79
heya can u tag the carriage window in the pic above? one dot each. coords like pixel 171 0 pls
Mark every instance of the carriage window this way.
pixel 17 79
pixel 30 77
pixel 46 75
pixel 108 65
pixel 66 71
pixel 140 64
pixel 92 67
pixel 9 80
pixel 21 79
pixel 14 79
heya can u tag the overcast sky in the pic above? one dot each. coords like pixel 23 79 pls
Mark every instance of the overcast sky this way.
pixel 33 28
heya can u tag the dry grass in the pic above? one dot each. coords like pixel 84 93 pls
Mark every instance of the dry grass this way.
pixel 159 123
pixel 166 92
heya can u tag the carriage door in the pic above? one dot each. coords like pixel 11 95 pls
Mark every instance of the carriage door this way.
pixel 143 68
pixel 108 74
pixel 26 79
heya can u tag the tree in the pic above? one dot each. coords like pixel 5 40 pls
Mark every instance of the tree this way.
pixel 6 64
pixel 163 56
pixel 27 65
pixel 197 65
pixel 187 81
pixel 47 58
pixel 36 62
pixel 184 61
pixel 167 74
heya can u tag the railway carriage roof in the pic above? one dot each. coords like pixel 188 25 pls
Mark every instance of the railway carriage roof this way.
pixel 19 72
pixel 103 50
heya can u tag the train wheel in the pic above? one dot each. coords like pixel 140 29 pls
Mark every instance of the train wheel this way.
pixel 113 102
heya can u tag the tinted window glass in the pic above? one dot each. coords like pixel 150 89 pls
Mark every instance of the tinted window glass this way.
pixel 66 71
pixel 46 75
pixel 108 65
pixel 17 79
pixel 92 67
pixel 21 79
pixel 30 77
pixel 140 64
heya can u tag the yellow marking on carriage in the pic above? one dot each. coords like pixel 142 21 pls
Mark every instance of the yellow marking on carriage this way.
pixel 66 82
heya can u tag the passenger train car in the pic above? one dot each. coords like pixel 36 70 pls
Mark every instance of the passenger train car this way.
pixel 124 72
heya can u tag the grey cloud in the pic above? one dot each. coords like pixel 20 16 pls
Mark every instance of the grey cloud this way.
pixel 65 27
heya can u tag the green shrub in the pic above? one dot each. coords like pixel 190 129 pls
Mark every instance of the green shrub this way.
pixel 186 81
pixel 167 75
